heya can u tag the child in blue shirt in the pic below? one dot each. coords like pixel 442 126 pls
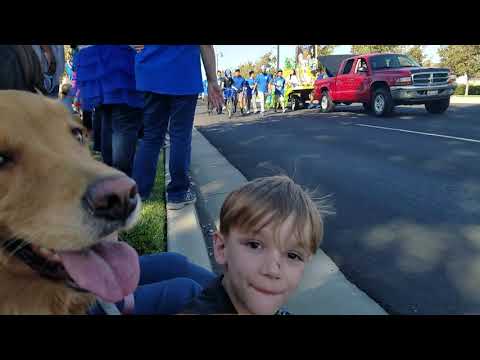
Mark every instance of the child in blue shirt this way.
pixel 279 90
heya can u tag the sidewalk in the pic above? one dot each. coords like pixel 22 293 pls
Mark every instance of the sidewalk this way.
pixel 472 99
pixel 324 289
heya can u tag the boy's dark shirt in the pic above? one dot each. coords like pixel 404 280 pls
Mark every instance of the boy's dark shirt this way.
pixel 214 300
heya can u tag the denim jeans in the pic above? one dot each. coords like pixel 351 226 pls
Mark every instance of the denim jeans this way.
pixel 120 126
pixel 168 282
pixel 97 129
pixel 175 112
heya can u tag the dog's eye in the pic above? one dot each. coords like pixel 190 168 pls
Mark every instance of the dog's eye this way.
pixel 4 160
pixel 79 135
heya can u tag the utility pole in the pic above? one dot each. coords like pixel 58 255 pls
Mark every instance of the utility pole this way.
pixel 221 55
pixel 278 57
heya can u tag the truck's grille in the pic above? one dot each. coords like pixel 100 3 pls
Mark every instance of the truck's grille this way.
pixel 430 78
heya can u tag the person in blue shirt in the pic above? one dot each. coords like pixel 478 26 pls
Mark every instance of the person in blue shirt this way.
pixel 171 78
pixel 279 90
pixel 262 82
pixel 106 80
pixel 250 89
pixel 238 81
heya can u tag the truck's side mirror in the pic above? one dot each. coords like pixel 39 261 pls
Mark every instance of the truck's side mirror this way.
pixel 362 69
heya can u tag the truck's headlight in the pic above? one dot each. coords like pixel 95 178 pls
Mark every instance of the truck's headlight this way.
pixel 407 80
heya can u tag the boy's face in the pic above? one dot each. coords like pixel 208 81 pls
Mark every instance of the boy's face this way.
pixel 260 274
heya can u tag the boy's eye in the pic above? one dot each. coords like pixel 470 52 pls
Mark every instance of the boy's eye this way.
pixel 254 244
pixel 294 256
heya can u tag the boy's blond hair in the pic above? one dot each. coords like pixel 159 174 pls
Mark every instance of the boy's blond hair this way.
pixel 272 200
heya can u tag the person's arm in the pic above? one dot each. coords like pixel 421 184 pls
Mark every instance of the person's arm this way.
pixel 137 48
pixel 208 59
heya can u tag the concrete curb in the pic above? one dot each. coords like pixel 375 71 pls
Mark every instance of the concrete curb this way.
pixel 324 289
pixel 184 234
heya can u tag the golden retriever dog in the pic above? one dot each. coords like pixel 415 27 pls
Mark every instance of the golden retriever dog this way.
pixel 60 213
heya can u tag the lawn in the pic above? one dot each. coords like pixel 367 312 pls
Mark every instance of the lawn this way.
pixel 150 233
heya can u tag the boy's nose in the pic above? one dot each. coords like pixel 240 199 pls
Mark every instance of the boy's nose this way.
pixel 272 266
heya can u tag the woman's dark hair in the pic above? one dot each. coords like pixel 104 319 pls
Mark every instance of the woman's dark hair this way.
pixel 20 69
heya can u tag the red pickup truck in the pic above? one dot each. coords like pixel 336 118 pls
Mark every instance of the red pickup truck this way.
pixel 381 81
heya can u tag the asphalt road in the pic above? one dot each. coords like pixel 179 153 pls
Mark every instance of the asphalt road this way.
pixel 407 223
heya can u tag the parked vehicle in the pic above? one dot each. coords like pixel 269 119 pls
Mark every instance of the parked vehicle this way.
pixel 382 81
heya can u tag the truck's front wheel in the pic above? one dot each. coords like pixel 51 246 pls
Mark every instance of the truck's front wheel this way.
pixel 438 106
pixel 382 102
pixel 326 103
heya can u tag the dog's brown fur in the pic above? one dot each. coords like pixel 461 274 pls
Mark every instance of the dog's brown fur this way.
pixel 40 199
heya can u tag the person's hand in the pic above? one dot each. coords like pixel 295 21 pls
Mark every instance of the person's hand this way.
pixel 138 48
pixel 215 95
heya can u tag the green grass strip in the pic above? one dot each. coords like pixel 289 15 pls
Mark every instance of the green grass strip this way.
pixel 150 233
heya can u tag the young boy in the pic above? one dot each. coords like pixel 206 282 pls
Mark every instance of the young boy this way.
pixel 269 229
pixel 279 90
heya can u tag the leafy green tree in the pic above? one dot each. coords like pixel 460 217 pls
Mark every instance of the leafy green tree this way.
pixel 323 50
pixel 365 49
pixel 289 63
pixel 461 60
pixel 268 59
pixel 416 52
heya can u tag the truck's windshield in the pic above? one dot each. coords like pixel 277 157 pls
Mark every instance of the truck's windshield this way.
pixel 392 61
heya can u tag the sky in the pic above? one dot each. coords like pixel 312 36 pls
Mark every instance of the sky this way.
pixel 234 55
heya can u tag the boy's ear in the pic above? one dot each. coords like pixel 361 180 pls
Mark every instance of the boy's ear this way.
pixel 219 248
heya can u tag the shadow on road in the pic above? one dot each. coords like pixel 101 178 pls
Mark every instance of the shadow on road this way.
pixel 407 229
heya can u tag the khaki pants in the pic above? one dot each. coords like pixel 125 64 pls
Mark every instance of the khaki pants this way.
pixel 281 99
pixel 261 98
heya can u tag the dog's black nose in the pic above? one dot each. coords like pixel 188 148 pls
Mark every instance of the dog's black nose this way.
pixel 113 198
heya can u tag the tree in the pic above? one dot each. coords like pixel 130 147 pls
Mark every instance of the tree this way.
pixel 365 49
pixel 428 62
pixel 268 59
pixel 289 63
pixel 416 53
pixel 323 50
pixel 461 60
pixel 246 68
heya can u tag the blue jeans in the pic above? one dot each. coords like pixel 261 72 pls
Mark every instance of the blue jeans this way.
pixel 97 129
pixel 168 282
pixel 120 126
pixel 175 112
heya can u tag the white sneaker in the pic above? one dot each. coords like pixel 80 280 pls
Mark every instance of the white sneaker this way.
pixel 284 110
pixel 248 112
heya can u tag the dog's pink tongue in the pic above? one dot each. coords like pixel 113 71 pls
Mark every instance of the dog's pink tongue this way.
pixel 109 270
